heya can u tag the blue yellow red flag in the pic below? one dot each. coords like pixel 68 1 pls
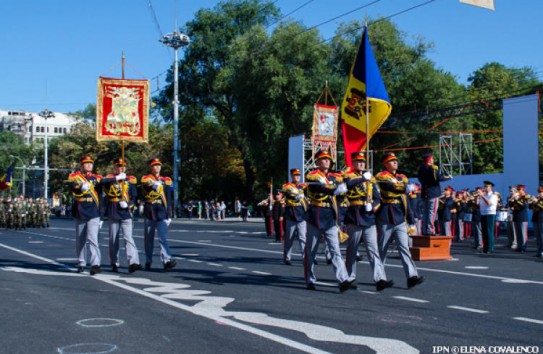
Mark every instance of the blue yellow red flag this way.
pixel 365 85
pixel 5 181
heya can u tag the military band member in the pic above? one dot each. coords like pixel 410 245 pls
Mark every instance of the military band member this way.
pixel 295 214
pixel 488 203
pixel 416 207
pixel 445 210
pixel 323 186
pixel 393 214
pixel 120 195
pixel 536 204
pixel 46 212
pixel 157 213
pixel 278 216
pixel 429 178
pixel 364 199
pixel 3 214
pixel 86 210
pixel 519 205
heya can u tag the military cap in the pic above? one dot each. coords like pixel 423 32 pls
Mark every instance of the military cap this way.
pixel 540 189
pixel 521 187
pixel 389 156
pixel 322 155
pixel 427 156
pixel 449 188
pixel 86 159
pixel 155 161
pixel 358 156
pixel 295 172
pixel 119 162
pixel 488 183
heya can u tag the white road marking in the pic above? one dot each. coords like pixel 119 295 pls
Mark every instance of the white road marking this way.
pixel 101 348
pixel 525 319
pixel 236 268
pixel 67 259
pixel 35 241
pixel 516 281
pixel 214 264
pixel 205 241
pixel 461 308
pixel 326 284
pixel 195 261
pixel 190 254
pixel 261 273
pixel 476 267
pixel 46 260
pixel 369 292
pixel 100 322
pixel 411 299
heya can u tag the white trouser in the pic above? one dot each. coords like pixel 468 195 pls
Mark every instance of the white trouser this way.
pixel 115 228
pixel 86 234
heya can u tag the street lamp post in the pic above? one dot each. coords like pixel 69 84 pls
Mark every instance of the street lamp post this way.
pixel 24 172
pixel 175 40
pixel 46 114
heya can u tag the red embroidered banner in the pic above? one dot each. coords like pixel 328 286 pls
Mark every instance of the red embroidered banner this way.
pixel 122 110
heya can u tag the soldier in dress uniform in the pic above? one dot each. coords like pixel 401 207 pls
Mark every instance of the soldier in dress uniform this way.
pixel 323 186
pixel 519 204
pixel 121 193
pixel 393 214
pixel 364 200
pixel 86 210
pixel 2 212
pixel 295 214
pixel 488 204
pixel 536 204
pixel 157 213
pixel 429 178
pixel 416 207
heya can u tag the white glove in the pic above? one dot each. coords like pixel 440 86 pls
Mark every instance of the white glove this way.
pixel 367 175
pixel 299 196
pixel 101 224
pixel 85 186
pixel 410 188
pixel 342 188
pixel 123 204
pixel 168 222
pixel 450 177
pixel 368 207
pixel 156 184
pixel 120 176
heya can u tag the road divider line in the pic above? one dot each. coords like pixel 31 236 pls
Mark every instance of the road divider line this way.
pixel 468 309
pixel 236 268
pixel 526 319
pixel 260 273
pixel 412 299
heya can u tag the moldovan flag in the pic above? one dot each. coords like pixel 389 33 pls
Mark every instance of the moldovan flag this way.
pixel 5 181
pixel 364 82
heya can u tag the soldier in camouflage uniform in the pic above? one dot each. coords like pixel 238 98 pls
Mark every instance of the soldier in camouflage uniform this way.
pixel 17 214
pixel 46 212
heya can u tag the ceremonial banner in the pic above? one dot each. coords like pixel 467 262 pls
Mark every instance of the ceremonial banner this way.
pixel 324 132
pixel 5 181
pixel 487 4
pixel 365 85
pixel 122 110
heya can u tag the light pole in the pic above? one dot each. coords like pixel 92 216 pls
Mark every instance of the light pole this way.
pixel 175 40
pixel 24 172
pixel 46 114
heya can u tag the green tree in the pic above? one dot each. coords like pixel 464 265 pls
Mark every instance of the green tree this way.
pixel 493 81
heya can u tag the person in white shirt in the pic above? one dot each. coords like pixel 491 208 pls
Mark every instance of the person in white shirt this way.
pixel 487 206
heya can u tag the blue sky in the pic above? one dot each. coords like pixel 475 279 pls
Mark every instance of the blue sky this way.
pixel 54 50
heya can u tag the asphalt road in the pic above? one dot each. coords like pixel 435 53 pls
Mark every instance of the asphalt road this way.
pixel 231 293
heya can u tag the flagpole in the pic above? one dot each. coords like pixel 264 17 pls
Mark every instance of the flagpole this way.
pixel 122 141
pixel 367 108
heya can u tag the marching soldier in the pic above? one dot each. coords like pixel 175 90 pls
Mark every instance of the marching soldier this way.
pixel 86 210
pixel 47 212
pixel 157 214
pixel 323 186
pixel 295 214
pixel 392 215
pixel 364 200
pixel 121 193
pixel 519 204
